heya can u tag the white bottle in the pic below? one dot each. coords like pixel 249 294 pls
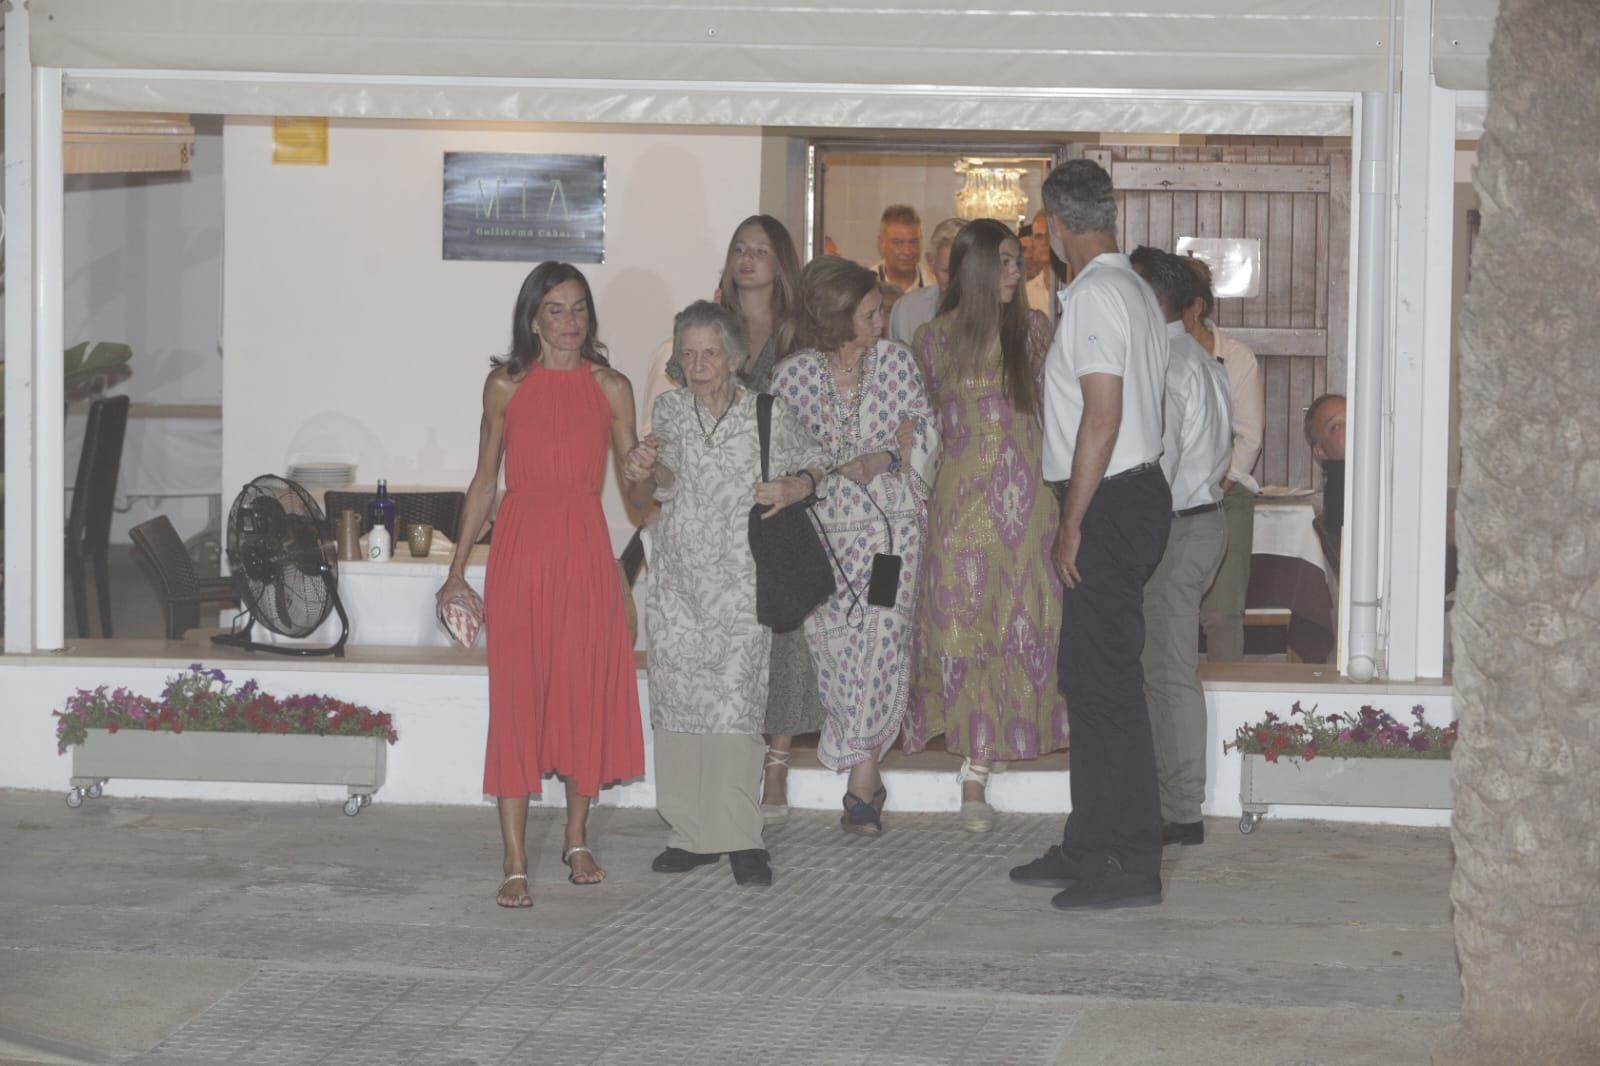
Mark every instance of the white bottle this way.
pixel 379 548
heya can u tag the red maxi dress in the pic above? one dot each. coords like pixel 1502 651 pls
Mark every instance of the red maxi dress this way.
pixel 563 693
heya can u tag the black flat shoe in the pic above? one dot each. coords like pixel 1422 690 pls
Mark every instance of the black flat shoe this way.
pixel 1183 833
pixel 678 861
pixel 1050 870
pixel 1111 888
pixel 751 867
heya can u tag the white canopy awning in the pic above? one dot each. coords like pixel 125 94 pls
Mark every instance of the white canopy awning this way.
pixel 1136 66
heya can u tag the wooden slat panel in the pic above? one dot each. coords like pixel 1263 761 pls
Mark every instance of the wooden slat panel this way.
pixel 1160 235
pixel 1257 224
pixel 1275 438
pixel 1303 276
pixel 1250 177
pixel 1184 222
pixel 1293 343
pixel 1161 209
pixel 1231 224
pixel 1302 390
pixel 1136 224
pixel 1338 270
pixel 1320 313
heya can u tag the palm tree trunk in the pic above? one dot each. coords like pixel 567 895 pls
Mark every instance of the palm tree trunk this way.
pixel 1527 621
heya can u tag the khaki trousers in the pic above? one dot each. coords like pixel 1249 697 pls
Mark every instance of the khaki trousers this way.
pixel 1171 660
pixel 706 790
pixel 1222 610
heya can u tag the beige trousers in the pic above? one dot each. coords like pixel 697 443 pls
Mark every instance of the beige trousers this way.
pixel 706 790
pixel 1222 610
pixel 1171 660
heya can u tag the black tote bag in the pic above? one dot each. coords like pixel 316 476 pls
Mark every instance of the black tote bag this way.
pixel 792 572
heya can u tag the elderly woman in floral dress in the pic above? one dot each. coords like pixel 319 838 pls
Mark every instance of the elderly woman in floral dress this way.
pixel 862 398
pixel 708 653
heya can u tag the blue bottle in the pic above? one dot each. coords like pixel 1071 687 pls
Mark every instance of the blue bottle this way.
pixel 380 512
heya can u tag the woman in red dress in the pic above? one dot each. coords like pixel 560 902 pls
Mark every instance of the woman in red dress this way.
pixel 563 694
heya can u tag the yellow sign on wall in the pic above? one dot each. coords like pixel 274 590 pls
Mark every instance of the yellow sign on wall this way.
pixel 302 141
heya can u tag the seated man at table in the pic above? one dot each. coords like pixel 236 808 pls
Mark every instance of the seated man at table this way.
pixel 1324 431
pixel 1196 448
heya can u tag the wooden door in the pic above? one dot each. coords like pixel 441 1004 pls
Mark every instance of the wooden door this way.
pixel 1292 196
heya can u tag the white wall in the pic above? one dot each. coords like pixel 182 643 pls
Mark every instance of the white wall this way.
pixel 349 336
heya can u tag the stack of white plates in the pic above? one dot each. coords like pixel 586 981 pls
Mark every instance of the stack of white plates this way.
pixel 314 476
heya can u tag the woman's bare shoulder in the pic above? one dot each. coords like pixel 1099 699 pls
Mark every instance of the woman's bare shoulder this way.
pixel 612 381
pixel 499 387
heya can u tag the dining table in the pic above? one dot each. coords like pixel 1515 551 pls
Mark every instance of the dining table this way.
pixel 392 602
pixel 1290 572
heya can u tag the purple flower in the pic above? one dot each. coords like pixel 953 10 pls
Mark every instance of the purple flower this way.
pixel 1419 742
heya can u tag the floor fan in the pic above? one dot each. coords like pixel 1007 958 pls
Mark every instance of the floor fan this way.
pixel 283 567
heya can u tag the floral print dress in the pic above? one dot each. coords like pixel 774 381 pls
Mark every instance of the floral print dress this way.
pixel 989 609
pixel 863 653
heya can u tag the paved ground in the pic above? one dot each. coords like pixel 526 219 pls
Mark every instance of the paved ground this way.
pixel 175 933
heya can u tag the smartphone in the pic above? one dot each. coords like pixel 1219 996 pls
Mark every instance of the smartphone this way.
pixel 883 587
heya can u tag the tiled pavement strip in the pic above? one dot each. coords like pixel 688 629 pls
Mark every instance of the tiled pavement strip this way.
pixel 699 971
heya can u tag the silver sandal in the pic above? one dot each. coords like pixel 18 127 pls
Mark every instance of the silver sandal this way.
pixel 976 815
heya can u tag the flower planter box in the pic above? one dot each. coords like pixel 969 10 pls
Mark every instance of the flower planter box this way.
pixel 358 763
pixel 1334 782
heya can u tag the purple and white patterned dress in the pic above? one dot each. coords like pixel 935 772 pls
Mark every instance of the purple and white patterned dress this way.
pixel 863 653
pixel 990 605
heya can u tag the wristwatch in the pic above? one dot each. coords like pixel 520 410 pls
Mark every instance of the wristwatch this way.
pixel 894 462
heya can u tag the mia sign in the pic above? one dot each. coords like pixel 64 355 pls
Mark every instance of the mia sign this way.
pixel 525 208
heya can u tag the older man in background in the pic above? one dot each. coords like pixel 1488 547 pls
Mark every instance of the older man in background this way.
pixel 1325 433
pixel 918 308
pixel 900 245
pixel 1042 284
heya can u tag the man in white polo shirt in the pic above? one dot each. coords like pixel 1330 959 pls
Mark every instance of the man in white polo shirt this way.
pixel 1104 379
pixel 1197 446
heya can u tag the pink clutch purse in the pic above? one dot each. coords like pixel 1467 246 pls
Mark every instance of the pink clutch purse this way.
pixel 462 617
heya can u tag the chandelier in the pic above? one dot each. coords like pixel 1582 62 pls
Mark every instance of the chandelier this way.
pixel 990 192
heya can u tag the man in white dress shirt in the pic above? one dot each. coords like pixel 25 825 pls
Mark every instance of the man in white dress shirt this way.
pixel 1197 446
pixel 1104 380
pixel 919 307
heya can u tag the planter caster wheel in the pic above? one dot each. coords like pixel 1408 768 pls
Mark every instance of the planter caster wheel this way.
pixel 1247 823
pixel 75 798
pixel 93 791
pixel 353 805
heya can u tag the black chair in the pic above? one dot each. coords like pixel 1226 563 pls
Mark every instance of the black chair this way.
pixel 93 494
pixel 441 510
pixel 180 590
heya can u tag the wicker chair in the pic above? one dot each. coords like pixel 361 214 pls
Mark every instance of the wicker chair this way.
pixel 441 510
pixel 180 590
pixel 94 492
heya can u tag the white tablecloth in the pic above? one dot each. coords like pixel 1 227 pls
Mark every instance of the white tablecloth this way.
pixel 392 603
pixel 1283 527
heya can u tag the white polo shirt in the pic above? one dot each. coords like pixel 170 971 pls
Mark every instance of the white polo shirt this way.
pixel 1197 444
pixel 1110 324
pixel 912 310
